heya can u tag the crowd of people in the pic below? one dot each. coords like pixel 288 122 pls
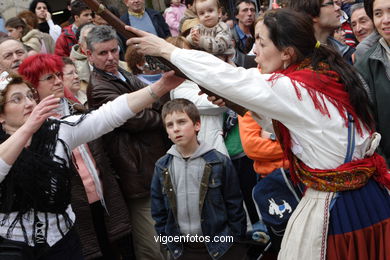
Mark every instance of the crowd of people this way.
pixel 105 154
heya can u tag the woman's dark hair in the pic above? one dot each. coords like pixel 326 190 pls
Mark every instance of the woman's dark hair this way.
pixel 288 28
pixel 34 4
pixel 368 7
pixel 16 22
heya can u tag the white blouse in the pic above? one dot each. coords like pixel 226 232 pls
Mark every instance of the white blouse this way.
pixel 98 122
pixel 319 141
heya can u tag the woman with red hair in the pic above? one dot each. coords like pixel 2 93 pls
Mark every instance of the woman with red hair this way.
pixel 46 73
pixel 36 165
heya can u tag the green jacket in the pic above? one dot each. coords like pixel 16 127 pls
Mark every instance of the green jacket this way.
pixel 375 69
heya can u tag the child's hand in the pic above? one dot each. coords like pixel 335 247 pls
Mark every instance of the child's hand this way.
pixel 195 36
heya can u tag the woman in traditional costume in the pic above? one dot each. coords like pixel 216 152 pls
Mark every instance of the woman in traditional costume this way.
pixel 326 124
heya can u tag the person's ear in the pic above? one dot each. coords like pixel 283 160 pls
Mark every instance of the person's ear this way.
pixel 89 53
pixel 197 126
pixel 288 54
pixel 220 12
pixel 76 18
pixel 2 119
pixel 140 66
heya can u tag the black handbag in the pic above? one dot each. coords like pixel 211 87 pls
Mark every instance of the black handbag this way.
pixel 15 250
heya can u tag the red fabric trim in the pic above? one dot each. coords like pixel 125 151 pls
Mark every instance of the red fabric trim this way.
pixel 368 243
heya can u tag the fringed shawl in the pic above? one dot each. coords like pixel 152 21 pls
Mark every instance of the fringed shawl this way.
pixel 37 182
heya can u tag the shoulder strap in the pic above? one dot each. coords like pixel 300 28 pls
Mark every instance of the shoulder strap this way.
pixel 351 139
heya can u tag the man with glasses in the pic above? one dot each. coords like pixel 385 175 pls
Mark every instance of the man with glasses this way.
pixel 12 53
pixel 326 16
pixel 132 148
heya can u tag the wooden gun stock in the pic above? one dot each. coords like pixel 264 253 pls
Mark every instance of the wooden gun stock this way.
pixel 119 26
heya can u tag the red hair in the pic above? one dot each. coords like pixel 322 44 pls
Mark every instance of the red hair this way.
pixel 33 67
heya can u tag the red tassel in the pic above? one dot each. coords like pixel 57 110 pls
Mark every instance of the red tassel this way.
pixel 382 174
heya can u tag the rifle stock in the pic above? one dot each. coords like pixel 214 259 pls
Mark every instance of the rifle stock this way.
pixel 119 26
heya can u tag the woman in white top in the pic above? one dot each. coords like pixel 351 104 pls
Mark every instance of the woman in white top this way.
pixel 36 166
pixel 311 91
pixel 43 11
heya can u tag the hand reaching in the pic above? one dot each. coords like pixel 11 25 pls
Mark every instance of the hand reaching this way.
pixel 149 44
pixel 41 112
pixel 219 102
pixel 170 81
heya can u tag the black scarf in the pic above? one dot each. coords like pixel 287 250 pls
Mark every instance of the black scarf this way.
pixel 36 182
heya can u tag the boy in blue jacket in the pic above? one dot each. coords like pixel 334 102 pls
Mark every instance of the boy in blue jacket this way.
pixel 196 198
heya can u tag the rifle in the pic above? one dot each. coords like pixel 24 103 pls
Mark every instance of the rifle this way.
pixel 164 64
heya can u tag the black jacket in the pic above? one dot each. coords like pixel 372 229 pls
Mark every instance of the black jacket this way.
pixel 375 69
pixel 158 21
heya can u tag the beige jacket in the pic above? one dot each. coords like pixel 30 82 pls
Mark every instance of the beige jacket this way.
pixel 36 38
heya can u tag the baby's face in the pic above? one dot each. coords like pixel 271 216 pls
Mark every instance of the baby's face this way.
pixel 208 13
pixel 175 2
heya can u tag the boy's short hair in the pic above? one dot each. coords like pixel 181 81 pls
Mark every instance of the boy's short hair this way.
pixel 201 1
pixel 78 7
pixel 181 105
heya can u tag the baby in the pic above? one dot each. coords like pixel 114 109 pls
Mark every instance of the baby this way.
pixel 211 35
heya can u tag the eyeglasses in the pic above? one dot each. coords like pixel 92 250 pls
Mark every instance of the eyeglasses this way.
pixel 51 77
pixel 331 3
pixel 19 98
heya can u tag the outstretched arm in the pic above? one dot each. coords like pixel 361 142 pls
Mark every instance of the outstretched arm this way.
pixel 140 99
pixel 115 113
